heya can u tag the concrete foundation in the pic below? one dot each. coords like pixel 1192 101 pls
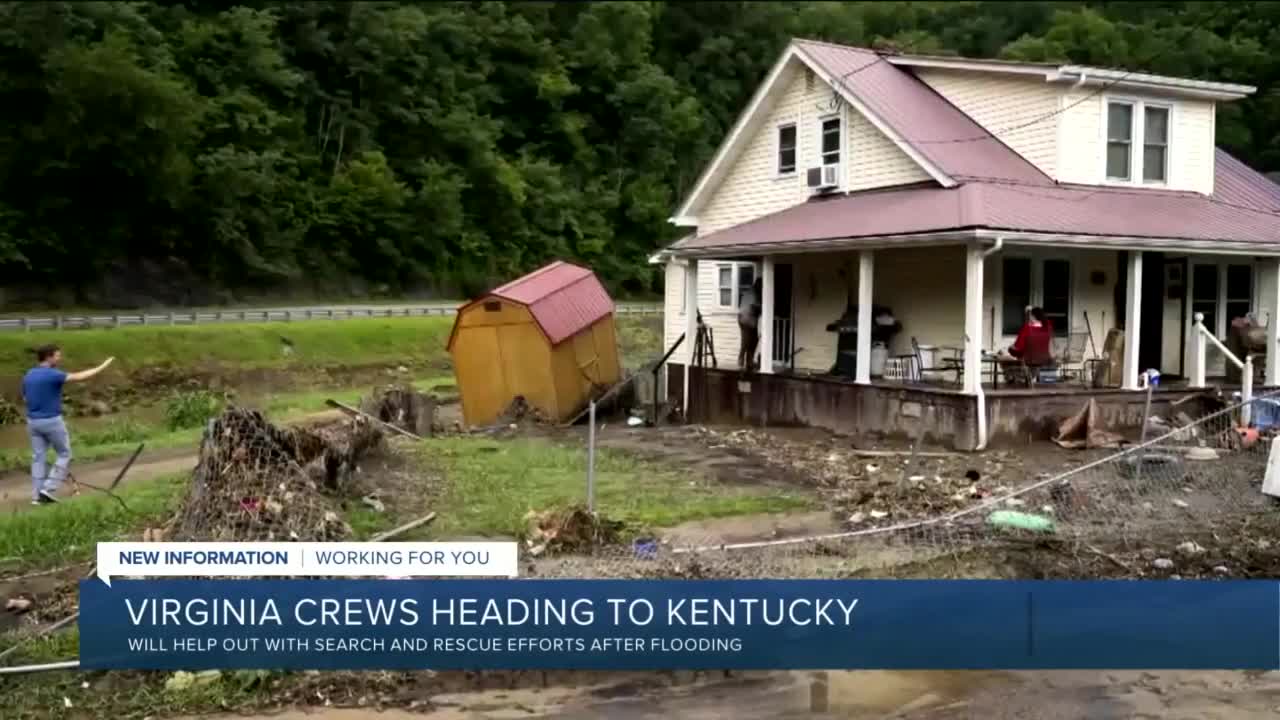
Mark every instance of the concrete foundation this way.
pixel 939 416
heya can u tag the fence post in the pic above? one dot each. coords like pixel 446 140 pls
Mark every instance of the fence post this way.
pixel 171 320
pixel 591 458
pixel 26 324
pixel 144 318
pixel 57 322
pixel 1246 391
pixel 115 321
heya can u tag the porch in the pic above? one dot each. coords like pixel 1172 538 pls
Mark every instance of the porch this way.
pixel 935 415
pixel 1123 309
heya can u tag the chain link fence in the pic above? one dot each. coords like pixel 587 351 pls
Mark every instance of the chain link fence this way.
pixel 1185 503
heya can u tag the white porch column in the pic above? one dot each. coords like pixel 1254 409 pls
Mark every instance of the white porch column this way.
pixel 866 281
pixel 1132 322
pixel 1271 304
pixel 690 323
pixel 973 318
pixel 766 316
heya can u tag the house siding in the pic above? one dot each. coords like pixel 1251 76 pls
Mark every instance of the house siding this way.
pixel 1082 140
pixel 1000 104
pixel 752 188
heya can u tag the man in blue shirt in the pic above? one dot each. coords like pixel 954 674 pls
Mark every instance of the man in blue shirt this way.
pixel 42 391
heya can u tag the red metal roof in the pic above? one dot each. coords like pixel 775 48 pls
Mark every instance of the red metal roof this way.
pixel 1245 209
pixel 563 298
pixel 926 121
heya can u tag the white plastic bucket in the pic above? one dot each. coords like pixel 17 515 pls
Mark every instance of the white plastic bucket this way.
pixel 879 356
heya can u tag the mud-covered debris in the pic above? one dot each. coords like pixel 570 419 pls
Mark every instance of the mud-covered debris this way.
pixel 18 605
pixel 373 503
pixel 1190 548
pixel 258 482
pixel 570 529
pixel 403 407
pixel 1162 563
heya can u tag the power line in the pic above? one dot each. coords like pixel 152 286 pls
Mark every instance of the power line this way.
pixel 996 134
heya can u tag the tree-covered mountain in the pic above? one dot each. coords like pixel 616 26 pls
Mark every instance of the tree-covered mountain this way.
pixel 411 147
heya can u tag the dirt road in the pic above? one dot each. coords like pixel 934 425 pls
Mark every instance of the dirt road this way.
pixel 15 487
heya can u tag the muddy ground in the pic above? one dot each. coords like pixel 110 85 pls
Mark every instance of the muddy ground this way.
pixel 864 493
pixel 863 696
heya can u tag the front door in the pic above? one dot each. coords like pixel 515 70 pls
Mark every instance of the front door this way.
pixel 783 325
pixel 1151 333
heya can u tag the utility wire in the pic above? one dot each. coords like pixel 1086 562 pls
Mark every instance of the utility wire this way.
pixel 996 134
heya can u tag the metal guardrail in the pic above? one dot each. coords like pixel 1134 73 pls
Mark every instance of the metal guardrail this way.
pixel 80 322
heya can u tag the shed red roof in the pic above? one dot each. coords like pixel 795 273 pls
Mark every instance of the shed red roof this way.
pixel 563 298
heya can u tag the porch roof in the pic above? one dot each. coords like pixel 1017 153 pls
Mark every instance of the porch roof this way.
pixel 1243 214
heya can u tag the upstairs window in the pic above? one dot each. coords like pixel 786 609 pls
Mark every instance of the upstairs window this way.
pixel 786 149
pixel 831 141
pixel 1137 142
pixel 1155 144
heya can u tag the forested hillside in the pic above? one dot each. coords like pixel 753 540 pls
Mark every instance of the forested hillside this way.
pixel 170 152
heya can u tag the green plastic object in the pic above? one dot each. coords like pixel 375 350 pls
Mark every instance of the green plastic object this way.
pixel 1020 521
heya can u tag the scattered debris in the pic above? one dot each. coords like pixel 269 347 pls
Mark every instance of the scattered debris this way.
pixel 1162 563
pixel 1190 548
pixel 404 408
pixel 571 529
pixel 1020 521
pixel 394 532
pixel 374 503
pixel 1085 430
pixel 182 680
pixel 1202 453
pixel 259 482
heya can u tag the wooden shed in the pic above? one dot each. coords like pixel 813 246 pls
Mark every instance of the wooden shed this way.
pixel 548 336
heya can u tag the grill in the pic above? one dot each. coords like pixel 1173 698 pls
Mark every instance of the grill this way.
pixel 883 327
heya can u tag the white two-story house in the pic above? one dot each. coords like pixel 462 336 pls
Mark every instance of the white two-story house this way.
pixel 955 193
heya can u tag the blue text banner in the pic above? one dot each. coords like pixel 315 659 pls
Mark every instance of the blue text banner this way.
pixel 345 624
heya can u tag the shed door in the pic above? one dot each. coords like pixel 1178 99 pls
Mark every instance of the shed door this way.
pixel 481 380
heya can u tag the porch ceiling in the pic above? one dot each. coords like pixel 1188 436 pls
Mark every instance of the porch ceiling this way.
pixel 1060 214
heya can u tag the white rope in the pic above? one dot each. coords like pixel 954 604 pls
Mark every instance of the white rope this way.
pixel 44 667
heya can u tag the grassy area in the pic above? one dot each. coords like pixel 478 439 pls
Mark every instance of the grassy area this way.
pixel 490 485
pixel 121 435
pixel 120 694
pixel 412 341
pixel 67 532
pixel 249 345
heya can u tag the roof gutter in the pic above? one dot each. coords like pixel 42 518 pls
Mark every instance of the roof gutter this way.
pixel 1143 81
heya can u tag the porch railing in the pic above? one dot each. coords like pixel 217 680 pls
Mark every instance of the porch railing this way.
pixel 782 341
pixel 1200 336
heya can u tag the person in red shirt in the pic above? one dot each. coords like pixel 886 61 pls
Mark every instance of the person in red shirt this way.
pixel 1033 345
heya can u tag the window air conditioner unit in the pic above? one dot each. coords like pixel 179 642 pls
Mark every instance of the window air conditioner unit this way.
pixel 824 178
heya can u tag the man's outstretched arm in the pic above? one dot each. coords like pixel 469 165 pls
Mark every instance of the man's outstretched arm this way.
pixel 86 374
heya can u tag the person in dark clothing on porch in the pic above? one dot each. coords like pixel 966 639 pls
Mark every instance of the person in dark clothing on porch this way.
pixel 749 326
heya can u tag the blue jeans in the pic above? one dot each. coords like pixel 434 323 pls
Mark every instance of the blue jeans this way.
pixel 48 433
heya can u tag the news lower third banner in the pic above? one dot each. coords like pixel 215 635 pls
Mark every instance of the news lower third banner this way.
pixel 441 624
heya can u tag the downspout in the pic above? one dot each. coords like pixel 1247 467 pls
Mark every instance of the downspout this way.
pixel 981 395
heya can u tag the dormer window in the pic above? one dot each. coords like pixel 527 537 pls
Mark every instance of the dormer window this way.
pixel 1137 149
